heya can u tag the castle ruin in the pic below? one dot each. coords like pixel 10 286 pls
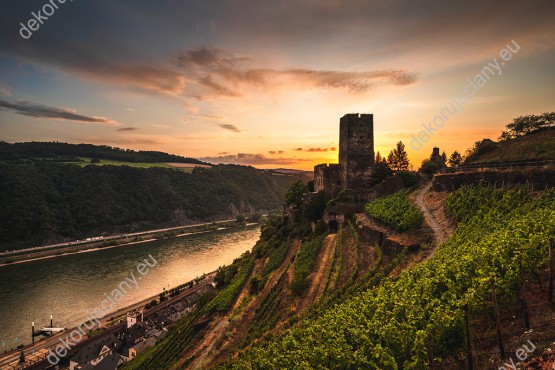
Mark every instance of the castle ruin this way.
pixel 356 157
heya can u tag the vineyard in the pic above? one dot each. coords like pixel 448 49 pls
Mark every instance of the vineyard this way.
pixel 396 211
pixel 502 236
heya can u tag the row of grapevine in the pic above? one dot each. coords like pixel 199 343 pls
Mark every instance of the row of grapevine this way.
pixel 304 263
pixel 396 211
pixel 268 313
pixel 335 266
pixel 354 235
pixel 226 297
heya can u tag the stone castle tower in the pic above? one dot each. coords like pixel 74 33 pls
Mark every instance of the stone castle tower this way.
pixel 437 158
pixel 356 157
pixel 356 150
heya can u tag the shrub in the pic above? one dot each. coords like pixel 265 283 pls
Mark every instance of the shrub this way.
pixel 409 178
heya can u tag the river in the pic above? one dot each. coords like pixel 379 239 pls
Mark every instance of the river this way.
pixel 67 286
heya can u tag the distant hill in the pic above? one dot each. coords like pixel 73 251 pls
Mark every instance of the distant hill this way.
pixel 64 152
pixel 537 146
pixel 44 202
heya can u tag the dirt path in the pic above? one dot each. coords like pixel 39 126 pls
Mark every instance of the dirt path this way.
pixel 208 343
pixel 440 235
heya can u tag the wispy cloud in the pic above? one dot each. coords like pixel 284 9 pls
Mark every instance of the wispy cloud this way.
pixel 218 73
pixel 316 150
pixel 227 126
pixel 124 129
pixel 4 89
pixel 42 111
pixel 252 159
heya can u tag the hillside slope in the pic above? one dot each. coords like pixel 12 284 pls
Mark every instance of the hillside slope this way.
pixel 304 299
pixel 537 146
pixel 502 235
pixel 295 276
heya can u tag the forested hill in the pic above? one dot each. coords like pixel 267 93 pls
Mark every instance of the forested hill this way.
pixel 47 202
pixel 64 152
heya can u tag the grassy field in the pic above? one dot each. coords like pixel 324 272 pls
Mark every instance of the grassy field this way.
pixel 103 162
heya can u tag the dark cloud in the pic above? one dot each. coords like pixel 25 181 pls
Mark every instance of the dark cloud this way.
pixel 393 29
pixel 124 46
pixel 274 152
pixel 127 129
pixel 227 126
pixel 42 111
pixel 298 149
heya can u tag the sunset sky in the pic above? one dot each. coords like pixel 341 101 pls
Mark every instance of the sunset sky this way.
pixel 265 82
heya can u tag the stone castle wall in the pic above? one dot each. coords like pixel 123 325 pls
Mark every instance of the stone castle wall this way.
pixel 327 178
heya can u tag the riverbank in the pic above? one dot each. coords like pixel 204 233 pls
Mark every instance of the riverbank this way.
pixel 110 322
pixel 113 242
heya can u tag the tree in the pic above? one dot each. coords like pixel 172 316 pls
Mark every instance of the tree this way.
pixel 398 159
pixel 455 159
pixel 524 125
pixel 479 148
pixel 295 193
pixel 379 158
pixel 240 218
pixel 444 157
pixel 317 205
pixel 381 171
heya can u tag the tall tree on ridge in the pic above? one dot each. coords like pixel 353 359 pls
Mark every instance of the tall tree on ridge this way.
pixel 398 159
pixel 455 159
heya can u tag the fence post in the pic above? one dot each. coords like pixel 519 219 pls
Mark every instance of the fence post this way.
pixel 468 341
pixel 551 267
pixel 497 321
pixel 430 351
pixel 523 302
